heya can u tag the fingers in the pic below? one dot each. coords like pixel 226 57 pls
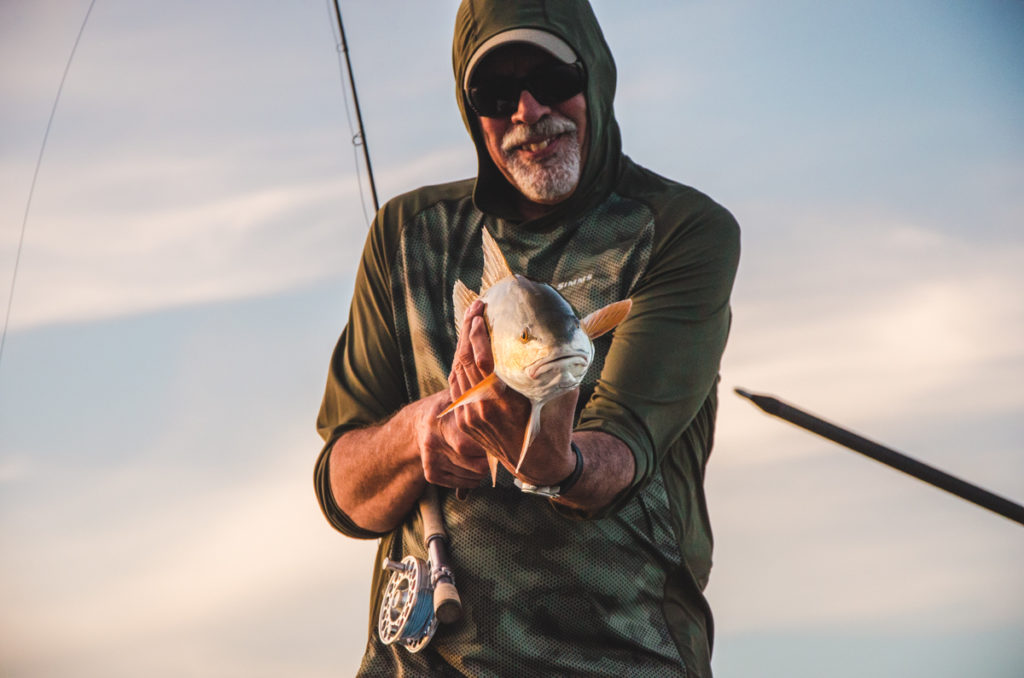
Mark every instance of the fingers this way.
pixel 449 457
pixel 473 359
pixel 475 309
pixel 496 422
pixel 451 467
pixel 446 477
pixel 480 340
pixel 443 467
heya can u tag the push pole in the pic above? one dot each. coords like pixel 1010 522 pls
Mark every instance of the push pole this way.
pixel 887 456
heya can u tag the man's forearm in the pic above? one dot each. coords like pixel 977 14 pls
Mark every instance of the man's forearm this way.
pixel 376 473
pixel 608 468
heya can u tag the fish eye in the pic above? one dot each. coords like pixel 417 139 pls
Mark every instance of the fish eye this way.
pixel 525 336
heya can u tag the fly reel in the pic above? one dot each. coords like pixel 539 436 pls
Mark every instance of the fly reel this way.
pixel 407 608
pixel 420 594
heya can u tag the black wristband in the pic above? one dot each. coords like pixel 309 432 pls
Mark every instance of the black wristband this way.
pixel 567 484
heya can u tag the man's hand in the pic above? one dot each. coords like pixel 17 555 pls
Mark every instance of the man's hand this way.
pixel 497 423
pixel 378 473
pixel 450 459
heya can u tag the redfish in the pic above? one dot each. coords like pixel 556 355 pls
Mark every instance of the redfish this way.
pixel 541 348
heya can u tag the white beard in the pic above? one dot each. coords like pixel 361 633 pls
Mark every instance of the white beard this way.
pixel 559 174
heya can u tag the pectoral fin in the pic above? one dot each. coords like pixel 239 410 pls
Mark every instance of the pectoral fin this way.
pixel 605 319
pixel 479 392
pixel 531 432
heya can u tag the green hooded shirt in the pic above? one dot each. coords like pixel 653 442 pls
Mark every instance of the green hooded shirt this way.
pixel 546 592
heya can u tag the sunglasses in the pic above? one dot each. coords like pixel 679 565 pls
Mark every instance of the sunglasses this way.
pixel 551 83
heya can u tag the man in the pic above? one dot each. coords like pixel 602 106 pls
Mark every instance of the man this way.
pixel 607 577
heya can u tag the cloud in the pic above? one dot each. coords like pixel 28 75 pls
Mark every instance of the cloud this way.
pixel 832 539
pixel 185 570
pixel 907 335
pixel 878 322
pixel 93 264
pixel 91 254
pixel 223 173
pixel 13 469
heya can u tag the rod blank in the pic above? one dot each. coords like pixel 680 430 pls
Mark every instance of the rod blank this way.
pixel 355 101
pixel 887 456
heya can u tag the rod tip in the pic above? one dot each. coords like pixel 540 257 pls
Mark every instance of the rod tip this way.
pixel 744 393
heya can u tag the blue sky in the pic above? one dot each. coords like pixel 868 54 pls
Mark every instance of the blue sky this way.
pixel 189 258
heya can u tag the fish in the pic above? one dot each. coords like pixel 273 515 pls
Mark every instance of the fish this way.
pixel 541 348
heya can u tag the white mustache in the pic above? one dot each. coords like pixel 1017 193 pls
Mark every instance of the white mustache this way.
pixel 545 127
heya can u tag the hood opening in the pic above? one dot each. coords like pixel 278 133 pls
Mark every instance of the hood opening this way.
pixel 558 27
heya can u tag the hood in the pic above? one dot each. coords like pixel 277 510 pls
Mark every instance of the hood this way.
pixel 574 22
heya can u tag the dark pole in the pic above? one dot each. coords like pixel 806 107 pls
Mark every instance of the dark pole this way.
pixel 901 462
pixel 355 100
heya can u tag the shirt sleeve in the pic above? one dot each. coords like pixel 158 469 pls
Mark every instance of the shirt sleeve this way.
pixel 364 381
pixel 664 358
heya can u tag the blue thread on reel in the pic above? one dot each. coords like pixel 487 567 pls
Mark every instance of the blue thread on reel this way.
pixel 407 607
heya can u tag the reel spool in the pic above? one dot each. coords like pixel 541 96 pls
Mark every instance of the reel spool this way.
pixel 407 608
pixel 420 594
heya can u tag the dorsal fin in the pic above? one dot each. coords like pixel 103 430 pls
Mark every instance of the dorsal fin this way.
pixel 462 298
pixel 604 319
pixel 495 266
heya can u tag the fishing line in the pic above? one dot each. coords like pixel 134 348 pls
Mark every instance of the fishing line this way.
pixel 35 176
pixel 358 138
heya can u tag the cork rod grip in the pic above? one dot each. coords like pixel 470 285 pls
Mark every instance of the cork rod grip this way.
pixel 430 510
pixel 447 604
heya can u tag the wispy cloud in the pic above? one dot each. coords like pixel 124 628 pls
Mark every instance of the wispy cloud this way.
pixel 895 319
pixel 91 264
pixel 903 333
pixel 93 255
pixel 156 577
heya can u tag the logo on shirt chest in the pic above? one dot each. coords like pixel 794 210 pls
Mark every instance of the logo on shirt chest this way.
pixel 574 282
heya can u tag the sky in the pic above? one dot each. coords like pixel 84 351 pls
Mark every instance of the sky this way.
pixel 189 255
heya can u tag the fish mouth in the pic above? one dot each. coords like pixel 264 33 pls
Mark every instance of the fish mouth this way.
pixel 565 362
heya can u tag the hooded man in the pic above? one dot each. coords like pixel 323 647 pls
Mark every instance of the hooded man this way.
pixel 603 575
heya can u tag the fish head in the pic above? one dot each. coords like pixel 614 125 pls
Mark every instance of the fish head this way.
pixel 539 348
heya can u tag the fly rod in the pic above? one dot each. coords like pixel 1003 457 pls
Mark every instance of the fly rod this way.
pixel 355 102
pixel 887 456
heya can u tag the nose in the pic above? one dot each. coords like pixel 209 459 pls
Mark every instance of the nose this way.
pixel 529 110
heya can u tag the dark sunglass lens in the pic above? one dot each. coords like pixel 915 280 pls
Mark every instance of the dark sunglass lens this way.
pixel 556 83
pixel 495 97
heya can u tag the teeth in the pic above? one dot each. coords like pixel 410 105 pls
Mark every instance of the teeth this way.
pixel 533 148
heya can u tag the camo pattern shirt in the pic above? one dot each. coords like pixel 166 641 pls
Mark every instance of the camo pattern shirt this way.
pixel 547 593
